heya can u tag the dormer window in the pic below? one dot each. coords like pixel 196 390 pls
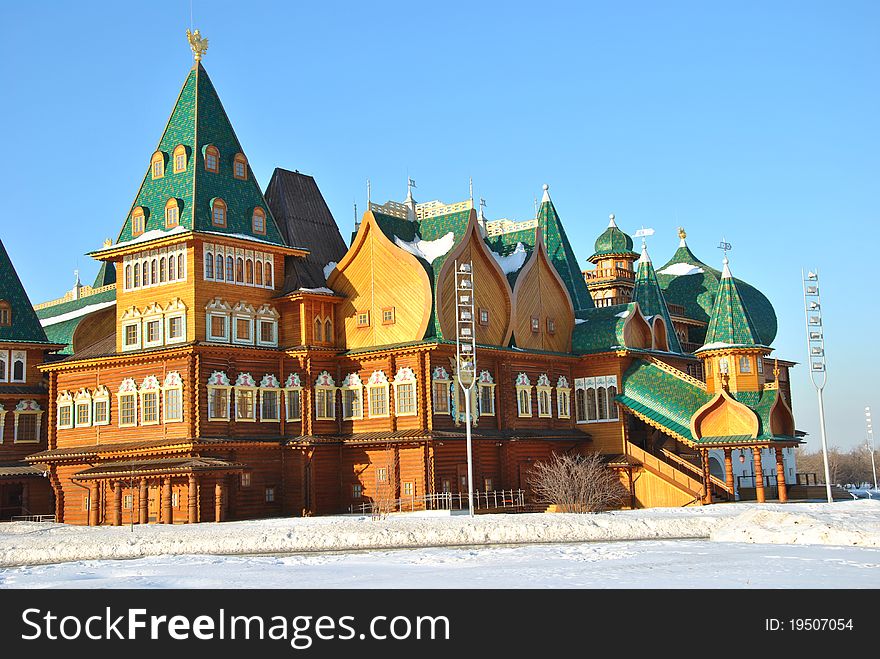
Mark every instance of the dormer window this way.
pixel 239 167
pixel 172 213
pixel 259 221
pixel 179 159
pixel 138 221
pixel 218 212
pixel 157 165
pixel 5 314
pixel 212 159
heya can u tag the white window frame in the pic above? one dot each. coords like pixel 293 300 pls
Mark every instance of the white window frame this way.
pixel 523 385
pixel 150 386
pixel 18 356
pixel 128 389
pixel 2 421
pixel 83 398
pixel 177 309
pixel 352 384
pixel 266 314
pixel 101 395
pixel 440 377
pixel 269 385
pixel 220 309
pixel 64 402
pixel 593 387
pixel 378 382
pixel 563 395
pixel 4 366
pixel 173 384
pixel 406 377
pixel 545 397
pixel 145 332
pixel 27 408
pixel 242 311
pixel 292 385
pixel 212 411
pixel 245 385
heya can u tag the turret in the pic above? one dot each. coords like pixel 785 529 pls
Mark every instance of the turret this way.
pixel 613 279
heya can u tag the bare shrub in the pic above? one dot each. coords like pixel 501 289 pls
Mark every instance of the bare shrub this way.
pixel 576 483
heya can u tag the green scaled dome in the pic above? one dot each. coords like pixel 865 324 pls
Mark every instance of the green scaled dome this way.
pixel 613 241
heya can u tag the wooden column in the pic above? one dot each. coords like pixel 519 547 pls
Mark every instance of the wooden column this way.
pixel 117 504
pixel 167 510
pixel 93 503
pixel 25 499
pixel 707 482
pixel 218 502
pixel 780 477
pixel 728 472
pixel 143 502
pixel 759 475
pixel 193 500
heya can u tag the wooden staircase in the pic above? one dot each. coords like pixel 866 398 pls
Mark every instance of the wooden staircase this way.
pixel 676 471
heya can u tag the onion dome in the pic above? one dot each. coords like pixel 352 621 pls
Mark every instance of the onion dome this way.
pixel 613 242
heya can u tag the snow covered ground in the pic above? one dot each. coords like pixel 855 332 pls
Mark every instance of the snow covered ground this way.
pixel 730 545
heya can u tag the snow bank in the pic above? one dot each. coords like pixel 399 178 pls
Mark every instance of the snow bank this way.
pixel 855 523
pixel 31 543
pixel 428 249
pixel 513 261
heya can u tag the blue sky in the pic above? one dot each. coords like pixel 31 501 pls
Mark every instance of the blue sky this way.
pixel 752 120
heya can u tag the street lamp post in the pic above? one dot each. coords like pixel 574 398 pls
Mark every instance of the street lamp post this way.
pixel 869 441
pixel 816 357
pixel 466 356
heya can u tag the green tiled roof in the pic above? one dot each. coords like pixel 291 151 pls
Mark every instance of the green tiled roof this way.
pixel 662 397
pixel 696 293
pixel 613 242
pixel 197 121
pixel 75 305
pixel 106 275
pixel 651 301
pixel 62 332
pixel 600 329
pixel 562 255
pixel 25 326
pixel 730 322
pixel 506 243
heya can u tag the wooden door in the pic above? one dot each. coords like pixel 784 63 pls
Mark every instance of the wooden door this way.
pixel 462 478
pixel 153 504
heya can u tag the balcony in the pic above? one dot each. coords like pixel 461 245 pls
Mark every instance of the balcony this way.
pixel 675 309
pixel 608 274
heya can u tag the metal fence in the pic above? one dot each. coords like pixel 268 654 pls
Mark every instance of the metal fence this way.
pixel 33 518
pixel 506 500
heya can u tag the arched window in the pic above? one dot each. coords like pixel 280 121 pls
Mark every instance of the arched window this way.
pixel 239 167
pixel 172 213
pixel 181 267
pixel 580 405
pixel 128 276
pixel 319 326
pixel 220 267
pixel 259 221
pixel 268 274
pixel 179 159
pixel 212 159
pixel 157 165
pixel 230 269
pixel 137 275
pixel 239 270
pixel 19 358
pixel 218 212
pixel 138 221
pixel 172 271
pixel 603 402
pixel 328 331
pixel 259 277
pixel 209 266
pixel 612 408
pixel 154 271
pixel 249 271
pixel 5 314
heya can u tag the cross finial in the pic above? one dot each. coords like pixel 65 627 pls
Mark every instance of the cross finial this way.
pixel 198 45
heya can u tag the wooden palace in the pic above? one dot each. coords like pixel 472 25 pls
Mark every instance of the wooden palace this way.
pixel 236 359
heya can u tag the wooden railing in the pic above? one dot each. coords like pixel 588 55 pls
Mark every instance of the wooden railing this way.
pixel 687 346
pixel 665 470
pixel 611 301
pixel 690 466
pixel 681 375
pixel 601 274
pixel 675 309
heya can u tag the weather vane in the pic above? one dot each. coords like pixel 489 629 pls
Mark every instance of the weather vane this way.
pixel 643 233
pixel 199 46
pixel 682 234
pixel 725 246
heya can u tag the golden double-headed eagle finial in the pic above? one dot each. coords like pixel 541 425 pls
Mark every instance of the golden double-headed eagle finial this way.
pixel 199 46
pixel 681 233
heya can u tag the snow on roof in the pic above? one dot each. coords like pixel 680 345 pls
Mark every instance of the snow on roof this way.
pixel 242 236
pixel 513 261
pixel 70 315
pixel 146 236
pixel 578 321
pixel 428 249
pixel 716 345
pixel 322 289
pixel 681 270
pixel 622 314
pixel 329 268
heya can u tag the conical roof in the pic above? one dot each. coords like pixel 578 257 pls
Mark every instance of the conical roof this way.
pixel 650 298
pixel 613 242
pixel 730 324
pixel 690 283
pixel 198 121
pixel 561 254
pixel 24 326
pixel 106 275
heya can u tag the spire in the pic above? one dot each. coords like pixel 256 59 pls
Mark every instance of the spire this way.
pixel 199 132
pixel 611 223
pixel 198 45
pixel 650 297
pixel 561 254
pixel 410 202
pixel 730 323
pixel 21 320
pixel 481 218
pixel 682 234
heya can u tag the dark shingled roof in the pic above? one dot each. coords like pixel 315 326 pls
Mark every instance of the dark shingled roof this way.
pixel 25 327
pixel 304 221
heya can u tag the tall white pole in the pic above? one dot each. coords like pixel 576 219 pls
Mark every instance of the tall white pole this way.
pixel 816 357
pixel 466 357
pixel 869 437
pixel 470 459
pixel 824 446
